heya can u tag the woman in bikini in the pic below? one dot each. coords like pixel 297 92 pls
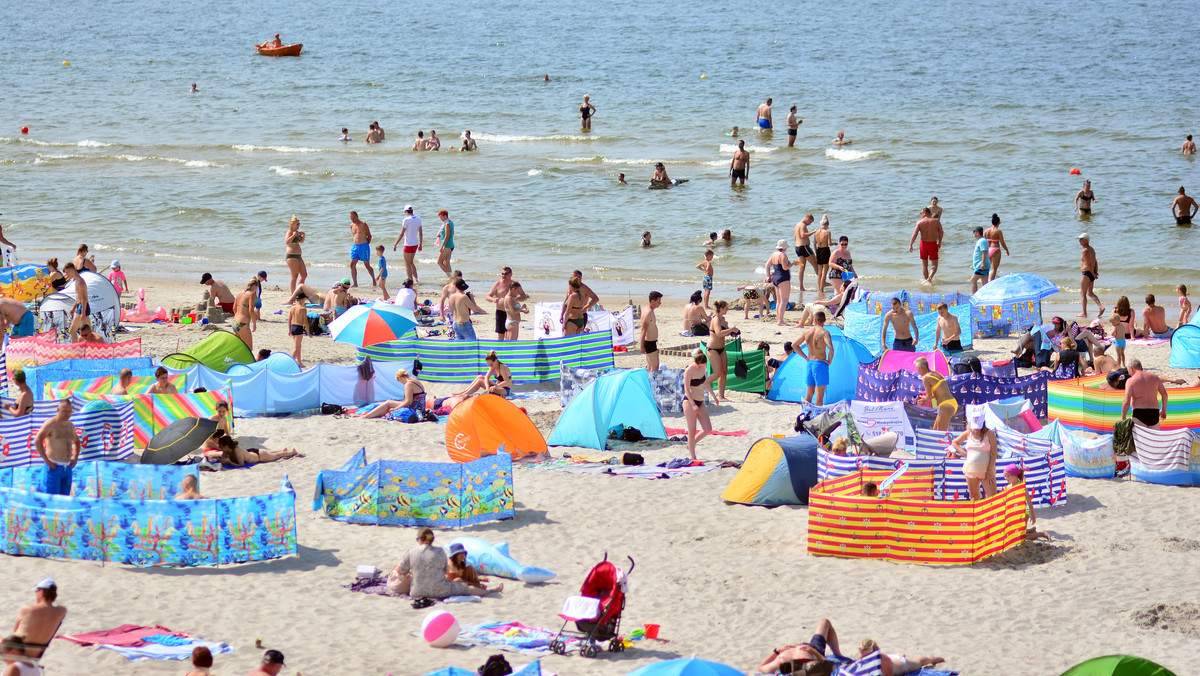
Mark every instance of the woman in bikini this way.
pixel 513 309
pixel 497 380
pixel 291 250
pixel 695 318
pixel 586 111
pixel 995 240
pixel 57 280
pixel 779 274
pixel 978 446
pixel 822 239
pixel 718 331
pixel 937 393
pixel 243 314
pixel 695 384
pixel 228 452
pixel 842 266
pixel 414 397
pixel 575 308
pixel 1124 313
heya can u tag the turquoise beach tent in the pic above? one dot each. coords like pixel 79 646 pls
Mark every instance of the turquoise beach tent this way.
pixel 621 397
pixel 788 383
pixel 1185 347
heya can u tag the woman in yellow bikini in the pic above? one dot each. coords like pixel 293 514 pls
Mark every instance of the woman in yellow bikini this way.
pixel 937 393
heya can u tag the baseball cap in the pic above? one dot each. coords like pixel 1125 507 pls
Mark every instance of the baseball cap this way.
pixel 272 657
pixel 115 264
pixel 46 583
pixel 976 420
pixel 205 278
pixel 457 548
pixel 408 207
pixel 262 275
pixel 1083 235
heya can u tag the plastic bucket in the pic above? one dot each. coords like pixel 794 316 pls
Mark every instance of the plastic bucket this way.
pixel 652 631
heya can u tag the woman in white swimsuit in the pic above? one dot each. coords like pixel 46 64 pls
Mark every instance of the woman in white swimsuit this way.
pixel 513 309
pixel 978 446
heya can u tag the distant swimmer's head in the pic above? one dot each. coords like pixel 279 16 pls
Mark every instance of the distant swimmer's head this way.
pixel 726 235
pixel 841 134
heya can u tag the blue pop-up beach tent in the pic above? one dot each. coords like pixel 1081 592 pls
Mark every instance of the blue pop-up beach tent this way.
pixel 788 383
pixel 1185 347
pixel 616 398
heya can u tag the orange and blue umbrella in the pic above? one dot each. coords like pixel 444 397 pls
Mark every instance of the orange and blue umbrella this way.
pixel 371 324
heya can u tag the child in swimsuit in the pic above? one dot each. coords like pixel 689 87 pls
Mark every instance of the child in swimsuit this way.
pixel 381 278
pixel 1118 337
pixel 706 282
pixel 1015 476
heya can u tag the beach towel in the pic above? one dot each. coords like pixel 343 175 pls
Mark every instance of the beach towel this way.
pixel 566 464
pixel 124 635
pixel 154 651
pixel 870 664
pixel 1170 457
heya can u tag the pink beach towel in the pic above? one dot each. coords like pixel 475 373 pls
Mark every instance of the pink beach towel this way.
pixel 124 635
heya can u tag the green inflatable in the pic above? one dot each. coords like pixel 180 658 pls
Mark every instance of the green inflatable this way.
pixel 1118 665
pixel 218 352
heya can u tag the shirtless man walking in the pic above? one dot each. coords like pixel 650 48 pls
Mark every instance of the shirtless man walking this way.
pixel 59 433
pixel 930 231
pixel 819 357
pixel 1184 208
pixel 39 621
pixel 901 318
pixel 739 166
pixel 360 250
pixel 793 124
pixel 500 290
pixel 949 333
pixel 462 305
pixel 1089 270
pixel 649 337
pixel 804 251
pixel 764 116
pixel 1142 392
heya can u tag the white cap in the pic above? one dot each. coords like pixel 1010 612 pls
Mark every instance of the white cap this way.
pixel 46 583
pixel 1083 235
pixel 408 207
pixel 115 264
pixel 977 419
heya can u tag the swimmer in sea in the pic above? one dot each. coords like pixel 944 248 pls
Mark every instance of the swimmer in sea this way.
pixel 934 209
pixel 373 135
pixel 586 111
pixel 660 178
pixel 1189 146
pixel 546 77
pixel 1084 199
pixel 841 140
pixel 345 135
pixel 732 133
pixel 646 240
pixel 739 166
pixel 764 116
pixel 468 143
pixel 995 240
pixel 1184 208
pixel 793 123
pixel 193 90
pixel 621 179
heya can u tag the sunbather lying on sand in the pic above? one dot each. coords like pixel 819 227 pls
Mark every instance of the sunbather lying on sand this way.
pixel 230 453
pixel 789 658
pixel 897 664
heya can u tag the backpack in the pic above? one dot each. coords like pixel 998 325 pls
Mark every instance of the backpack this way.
pixel 496 665
pixel 332 409
pixel 406 415
pixel 632 434
pixel 968 365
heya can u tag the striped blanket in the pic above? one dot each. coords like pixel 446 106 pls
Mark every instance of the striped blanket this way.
pixel 1169 457
pixel 103 435
pixel 531 361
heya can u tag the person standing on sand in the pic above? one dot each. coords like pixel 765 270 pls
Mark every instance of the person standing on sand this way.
pixel 980 262
pixel 445 242
pixel 360 250
pixel 779 275
pixel 1185 305
pixel 930 231
pixel 764 116
pixel 1143 391
pixel 1184 208
pixel 38 622
pixel 901 318
pixel 695 410
pixel 59 433
pixel 80 311
pixel 588 294
pixel 446 291
pixel 1084 199
pixel 739 166
pixel 82 260
pixel 586 111
pixel 243 314
pixel 1189 148
pixel 513 309
pixel 575 308
pixel 1089 270
pixel 949 334
pixel 793 124
pixel 292 255
pixel 499 290
pixel 706 280
pixel 818 358
pixel 414 239
pixel 995 240
pixel 461 305
pixel 649 331
pixel 298 326
pixel 804 252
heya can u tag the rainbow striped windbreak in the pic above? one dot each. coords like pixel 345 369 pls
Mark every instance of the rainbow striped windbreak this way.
pixel 531 361
pixel 152 412
pixel 1080 404
pixel 908 525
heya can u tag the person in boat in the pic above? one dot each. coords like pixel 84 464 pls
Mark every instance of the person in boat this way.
pixel 276 43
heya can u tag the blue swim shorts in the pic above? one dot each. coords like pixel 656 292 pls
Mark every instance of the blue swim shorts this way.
pixel 764 123
pixel 817 375
pixel 58 480
pixel 360 252
pixel 465 332
pixel 24 328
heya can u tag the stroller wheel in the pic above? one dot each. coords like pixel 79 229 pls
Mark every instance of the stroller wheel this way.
pixel 557 647
pixel 616 645
pixel 589 649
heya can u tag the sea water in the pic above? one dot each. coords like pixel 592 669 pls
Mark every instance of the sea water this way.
pixel 986 105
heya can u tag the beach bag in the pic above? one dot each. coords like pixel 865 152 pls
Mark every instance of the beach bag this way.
pixel 741 369
pixel 406 415
pixel 631 434
pixel 968 365
pixel 632 459
pixel 366 370
pixel 496 665
pixel 1123 438
pixel 699 329
pixel 332 409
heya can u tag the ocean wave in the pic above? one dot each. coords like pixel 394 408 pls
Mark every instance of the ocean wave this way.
pixel 598 159
pixel 284 171
pixel 277 149
pixel 847 155
pixel 731 147
pixel 94 144
pixel 516 138
pixel 50 144
pixel 42 158
pixel 533 172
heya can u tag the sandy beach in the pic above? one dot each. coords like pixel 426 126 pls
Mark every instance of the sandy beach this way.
pixel 725 582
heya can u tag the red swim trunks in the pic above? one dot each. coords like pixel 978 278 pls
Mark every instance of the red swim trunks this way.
pixel 929 251
pixel 410 249
pixel 227 307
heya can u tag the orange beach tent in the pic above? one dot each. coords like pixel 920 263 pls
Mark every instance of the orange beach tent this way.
pixel 485 424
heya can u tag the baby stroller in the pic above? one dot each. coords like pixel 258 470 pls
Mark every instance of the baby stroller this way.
pixel 596 612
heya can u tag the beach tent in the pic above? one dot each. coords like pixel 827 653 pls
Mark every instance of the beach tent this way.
pixel 276 362
pixel 104 306
pixel 1185 347
pixel 218 352
pixel 776 472
pixel 788 383
pixel 621 397
pixel 533 669
pixel 1118 665
pixel 488 424
pixel 896 360
pixel 756 365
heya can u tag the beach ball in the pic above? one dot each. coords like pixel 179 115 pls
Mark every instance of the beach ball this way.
pixel 439 629
pixel 1075 171
pixel 703 76
pixel 66 63
pixel 24 130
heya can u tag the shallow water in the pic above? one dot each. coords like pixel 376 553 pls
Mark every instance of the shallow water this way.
pixel 985 105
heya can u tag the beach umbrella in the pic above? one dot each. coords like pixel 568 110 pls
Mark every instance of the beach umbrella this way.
pixel 690 666
pixel 370 324
pixel 1118 665
pixel 1014 288
pixel 177 440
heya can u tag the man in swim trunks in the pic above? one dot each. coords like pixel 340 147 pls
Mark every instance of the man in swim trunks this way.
pixel 981 263
pixel 23 404
pixel 739 166
pixel 1154 320
pixel 414 239
pixel 219 291
pixel 937 393
pixel 795 655
pixel 38 622
pixel 373 134
pixel 80 311
pixel 1189 147
pixel 59 434
pixel 1089 270
pixel 1142 392
pixel 649 331
pixel 500 290
pixel 901 318
pixel 360 250
pixel 764 116
pixel 446 291
pixel 461 306
pixel 930 230
pixel 706 279
pixel 949 334
pixel 1184 208
pixel 804 251
pixel 818 358
pixel 14 315
pixel 793 123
